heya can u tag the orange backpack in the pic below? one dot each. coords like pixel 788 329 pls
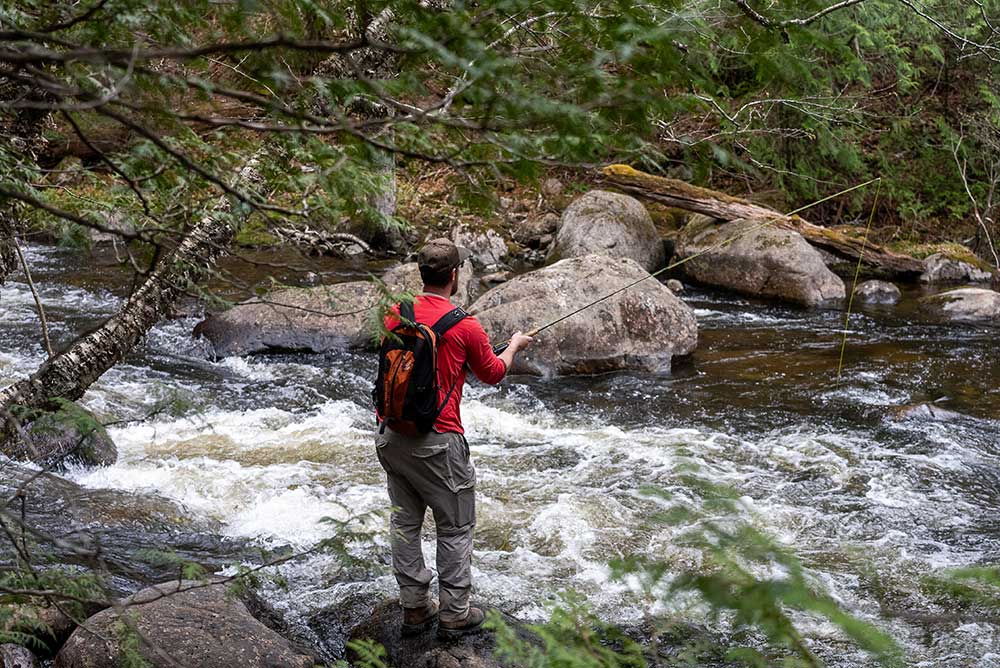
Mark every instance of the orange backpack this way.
pixel 406 389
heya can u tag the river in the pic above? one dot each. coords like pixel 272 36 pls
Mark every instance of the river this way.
pixel 268 446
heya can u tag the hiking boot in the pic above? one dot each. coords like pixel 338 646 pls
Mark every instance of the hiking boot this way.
pixel 418 620
pixel 473 623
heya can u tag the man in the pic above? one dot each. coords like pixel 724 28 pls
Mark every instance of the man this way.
pixel 434 470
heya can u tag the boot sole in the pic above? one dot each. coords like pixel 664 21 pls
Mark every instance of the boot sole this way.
pixel 455 634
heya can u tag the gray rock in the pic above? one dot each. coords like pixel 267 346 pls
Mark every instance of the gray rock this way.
pixel 496 278
pixel 531 232
pixel 15 656
pixel 195 626
pixel 609 224
pixel 643 328
pixel 316 320
pixel 964 305
pixel 924 412
pixel 552 188
pixel 425 650
pixel 488 248
pixel 761 261
pixel 70 435
pixel 940 268
pixel 122 524
pixel 877 292
pixel 675 286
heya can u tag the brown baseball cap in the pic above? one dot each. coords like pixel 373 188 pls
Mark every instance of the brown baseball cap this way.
pixel 440 255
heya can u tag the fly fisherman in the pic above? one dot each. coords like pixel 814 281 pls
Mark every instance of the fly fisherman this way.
pixel 421 443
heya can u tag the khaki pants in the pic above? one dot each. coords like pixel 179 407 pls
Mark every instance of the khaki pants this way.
pixel 431 470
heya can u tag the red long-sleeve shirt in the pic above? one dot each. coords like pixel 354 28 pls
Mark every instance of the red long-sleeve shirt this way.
pixel 465 343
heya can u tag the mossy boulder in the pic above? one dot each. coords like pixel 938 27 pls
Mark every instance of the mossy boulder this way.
pixel 977 305
pixel 754 258
pixel 611 224
pixel 641 329
pixel 187 623
pixel 942 268
pixel 71 435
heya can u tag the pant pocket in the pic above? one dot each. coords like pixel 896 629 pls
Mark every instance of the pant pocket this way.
pixel 460 462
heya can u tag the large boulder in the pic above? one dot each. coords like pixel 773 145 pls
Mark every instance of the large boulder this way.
pixel 187 623
pixel 877 292
pixel 964 305
pixel 316 319
pixel 69 435
pixel 760 260
pixel 609 224
pixel 642 328
pixel 293 319
pixel 940 268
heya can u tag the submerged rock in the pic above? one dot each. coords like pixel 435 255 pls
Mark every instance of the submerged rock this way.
pixel 761 261
pixel 195 625
pixel 939 268
pixel 642 328
pixel 877 292
pixel 426 650
pixel 70 435
pixel 924 412
pixel 964 305
pixel 119 525
pixel 609 224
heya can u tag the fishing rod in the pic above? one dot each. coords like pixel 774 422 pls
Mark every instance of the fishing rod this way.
pixel 498 349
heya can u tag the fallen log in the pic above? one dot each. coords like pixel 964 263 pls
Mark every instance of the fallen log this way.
pixel 681 195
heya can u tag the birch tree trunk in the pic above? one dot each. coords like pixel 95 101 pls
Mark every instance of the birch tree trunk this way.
pixel 681 195
pixel 69 373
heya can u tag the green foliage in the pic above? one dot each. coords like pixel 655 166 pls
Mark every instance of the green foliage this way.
pixel 746 575
pixel 385 300
pixel 573 637
pixel 976 587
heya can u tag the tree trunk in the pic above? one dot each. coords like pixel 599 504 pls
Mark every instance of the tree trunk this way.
pixel 681 195
pixel 8 258
pixel 72 371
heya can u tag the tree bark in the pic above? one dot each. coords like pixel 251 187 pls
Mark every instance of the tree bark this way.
pixel 69 373
pixel 8 256
pixel 681 195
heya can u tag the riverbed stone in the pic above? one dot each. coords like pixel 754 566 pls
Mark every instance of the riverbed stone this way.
pixel 71 435
pixel 118 525
pixel 940 268
pixel 195 624
pixel 877 292
pixel 766 261
pixel 384 627
pixel 924 411
pixel 611 224
pixel 642 328
pixel 487 248
pixel 15 656
pixel 964 305
pixel 537 232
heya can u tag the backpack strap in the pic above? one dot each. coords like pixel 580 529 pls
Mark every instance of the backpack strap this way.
pixel 449 320
pixel 406 312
